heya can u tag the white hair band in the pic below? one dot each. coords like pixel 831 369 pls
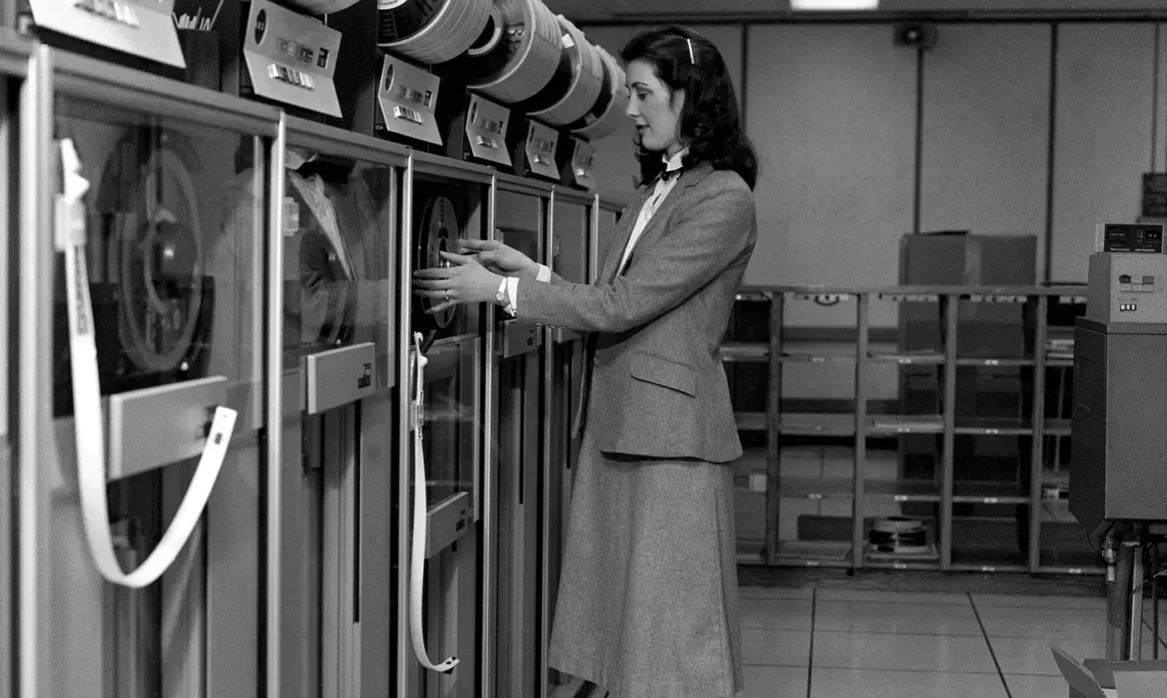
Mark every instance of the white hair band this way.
pixel 691 58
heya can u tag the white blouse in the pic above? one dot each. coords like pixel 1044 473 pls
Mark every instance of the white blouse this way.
pixel 663 187
pixel 508 288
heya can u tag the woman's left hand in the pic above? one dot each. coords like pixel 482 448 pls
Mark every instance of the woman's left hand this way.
pixel 464 281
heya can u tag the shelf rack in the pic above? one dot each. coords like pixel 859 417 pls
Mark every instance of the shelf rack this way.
pixel 762 483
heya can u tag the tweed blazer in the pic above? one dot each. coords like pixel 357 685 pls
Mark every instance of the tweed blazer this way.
pixel 653 364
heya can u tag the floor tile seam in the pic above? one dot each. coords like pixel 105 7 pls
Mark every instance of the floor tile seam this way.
pixel 891 602
pixel 902 670
pixel 779 665
pixel 899 634
pixel 1049 638
pixel 887 634
pixel 906 670
pixel 989 645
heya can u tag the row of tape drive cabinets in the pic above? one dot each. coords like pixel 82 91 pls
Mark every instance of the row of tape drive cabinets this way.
pixel 245 463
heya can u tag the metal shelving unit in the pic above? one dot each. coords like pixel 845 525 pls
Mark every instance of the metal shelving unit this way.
pixel 775 479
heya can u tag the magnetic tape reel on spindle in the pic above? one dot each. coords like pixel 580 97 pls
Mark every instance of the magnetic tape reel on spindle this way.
pixel 433 31
pixel 438 231
pixel 317 8
pixel 516 62
pixel 606 115
pixel 576 83
pixel 151 296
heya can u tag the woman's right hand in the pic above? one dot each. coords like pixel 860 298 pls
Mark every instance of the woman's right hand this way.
pixel 498 258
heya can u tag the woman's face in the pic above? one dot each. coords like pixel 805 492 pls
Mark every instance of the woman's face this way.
pixel 656 113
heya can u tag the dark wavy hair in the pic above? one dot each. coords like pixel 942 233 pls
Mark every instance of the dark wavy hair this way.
pixel 710 124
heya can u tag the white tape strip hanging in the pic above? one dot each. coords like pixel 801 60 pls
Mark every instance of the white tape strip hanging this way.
pixel 88 418
pixel 420 512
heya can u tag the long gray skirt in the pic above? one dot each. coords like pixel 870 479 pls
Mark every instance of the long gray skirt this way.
pixel 648 598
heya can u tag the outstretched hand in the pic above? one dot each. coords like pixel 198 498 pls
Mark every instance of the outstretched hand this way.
pixel 463 281
pixel 499 258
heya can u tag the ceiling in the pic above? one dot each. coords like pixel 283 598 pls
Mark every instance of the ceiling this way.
pixel 630 10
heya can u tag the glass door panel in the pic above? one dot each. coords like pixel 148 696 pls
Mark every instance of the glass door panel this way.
pixel 445 208
pixel 173 248
pixel 339 219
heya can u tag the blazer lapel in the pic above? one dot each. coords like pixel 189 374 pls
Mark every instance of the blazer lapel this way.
pixel 656 225
pixel 620 239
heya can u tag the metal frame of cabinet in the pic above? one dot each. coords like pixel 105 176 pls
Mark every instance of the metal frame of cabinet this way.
pixel 14 67
pixel 258 608
pixel 942 492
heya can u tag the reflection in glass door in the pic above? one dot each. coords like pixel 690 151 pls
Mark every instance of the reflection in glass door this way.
pixel 519 223
pixel 445 608
pixel 570 256
pixel 9 222
pixel 172 249
pixel 334 582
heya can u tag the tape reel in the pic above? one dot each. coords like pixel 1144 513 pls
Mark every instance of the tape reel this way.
pixel 159 255
pixel 439 230
pixel 520 60
pixel 577 82
pixel 607 113
pixel 433 31
pixel 320 7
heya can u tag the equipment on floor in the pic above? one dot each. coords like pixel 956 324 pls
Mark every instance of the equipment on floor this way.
pixel 1118 475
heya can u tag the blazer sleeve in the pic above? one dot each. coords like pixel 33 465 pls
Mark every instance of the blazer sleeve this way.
pixel 707 238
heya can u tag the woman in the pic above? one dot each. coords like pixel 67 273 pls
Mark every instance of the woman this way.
pixel 647 606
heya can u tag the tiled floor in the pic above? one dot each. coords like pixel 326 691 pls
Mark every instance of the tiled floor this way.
pixel 826 643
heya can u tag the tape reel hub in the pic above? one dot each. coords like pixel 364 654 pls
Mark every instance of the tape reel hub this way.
pixel 160 261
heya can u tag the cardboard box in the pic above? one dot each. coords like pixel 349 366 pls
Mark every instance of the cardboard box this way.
pixel 1099 678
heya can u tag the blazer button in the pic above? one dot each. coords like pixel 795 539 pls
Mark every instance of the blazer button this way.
pixel 595 361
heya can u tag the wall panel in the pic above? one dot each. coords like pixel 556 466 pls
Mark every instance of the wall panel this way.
pixel 985 133
pixel 616 162
pixel 832 112
pixel 1161 102
pixel 1102 136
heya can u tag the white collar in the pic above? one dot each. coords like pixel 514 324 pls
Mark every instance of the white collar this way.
pixel 674 162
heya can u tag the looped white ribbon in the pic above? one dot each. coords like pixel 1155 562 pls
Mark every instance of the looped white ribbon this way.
pixel 88 419
pixel 420 512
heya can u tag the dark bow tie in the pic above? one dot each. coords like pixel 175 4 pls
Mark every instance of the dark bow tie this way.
pixel 671 174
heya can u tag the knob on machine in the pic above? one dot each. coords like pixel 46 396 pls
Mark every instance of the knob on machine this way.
pixel 433 31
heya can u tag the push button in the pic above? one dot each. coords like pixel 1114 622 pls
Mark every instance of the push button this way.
pixel 407 114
